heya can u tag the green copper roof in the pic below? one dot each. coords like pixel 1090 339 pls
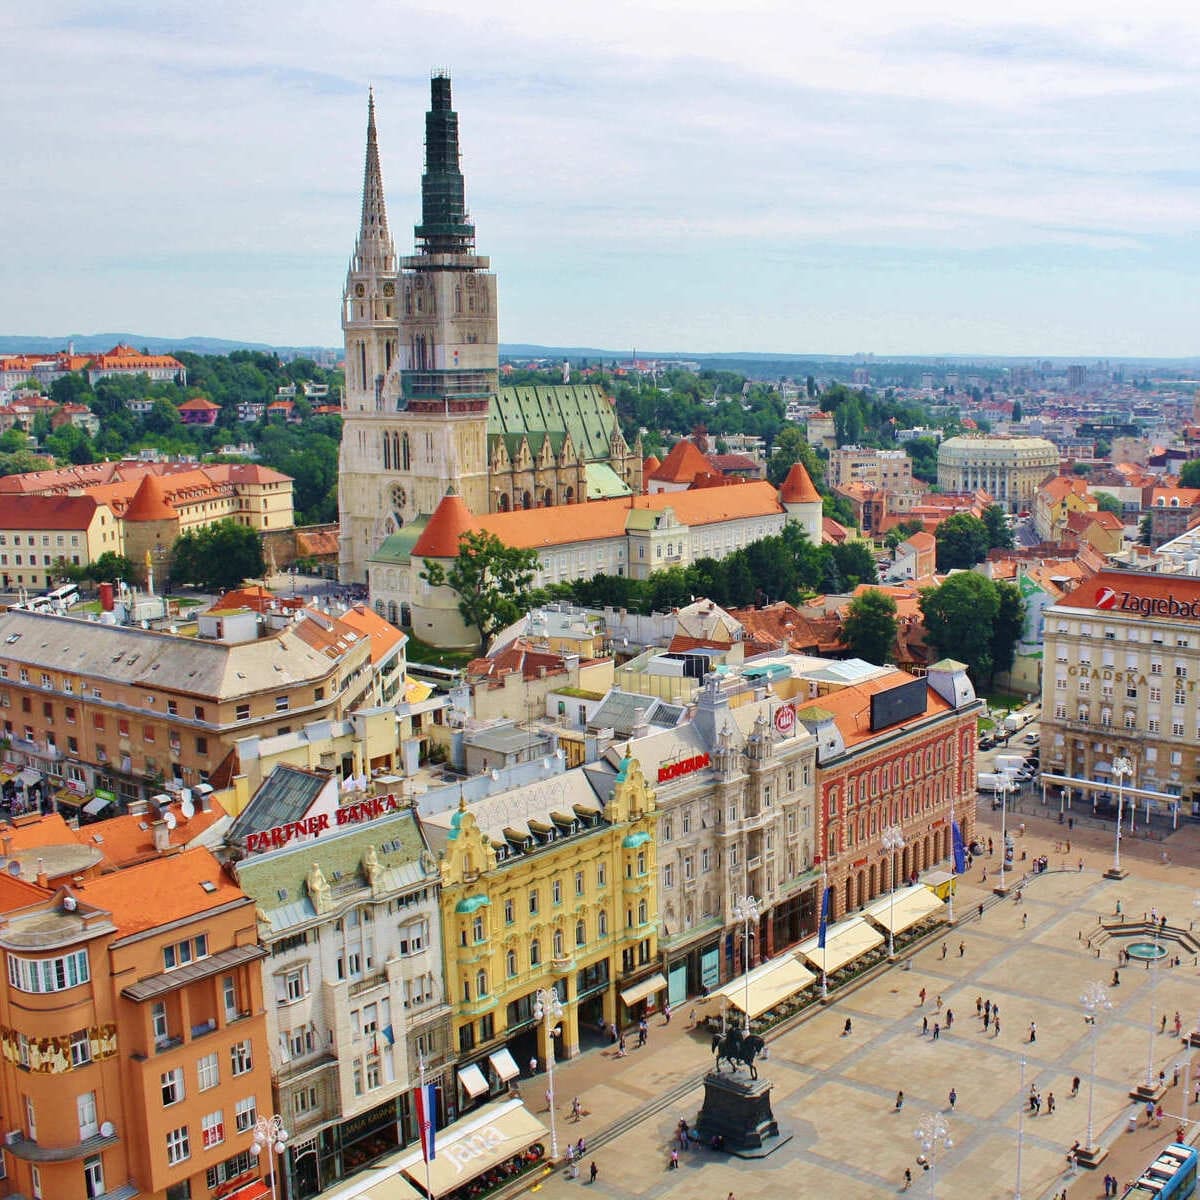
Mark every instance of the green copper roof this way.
pixel 396 550
pixel 444 228
pixel 603 483
pixel 581 411
pixel 634 840
pixel 470 903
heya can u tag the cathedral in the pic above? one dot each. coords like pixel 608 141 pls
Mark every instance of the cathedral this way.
pixel 424 413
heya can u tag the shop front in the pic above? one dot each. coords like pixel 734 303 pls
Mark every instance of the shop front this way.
pixel 697 970
pixel 641 998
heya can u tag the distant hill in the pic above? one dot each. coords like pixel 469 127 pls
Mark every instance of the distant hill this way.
pixel 94 343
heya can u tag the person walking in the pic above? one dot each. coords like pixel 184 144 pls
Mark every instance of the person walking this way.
pixel 1178 1023
pixel 987 1019
pixel 924 1026
pixel 1024 920
pixel 899 1101
pixel 1075 1086
pixel 962 949
pixel 666 1014
pixel 939 1004
pixel 1049 1103
pixel 981 912
pixel 621 1046
pixel 907 1179
pixel 847 1027
pixel 979 1006
pixel 995 1026
pixel 674 1159
pixel 921 994
pixel 949 1017
pixel 943 950
pixel 937 1031
pixel 953 1098
pixel 593 1171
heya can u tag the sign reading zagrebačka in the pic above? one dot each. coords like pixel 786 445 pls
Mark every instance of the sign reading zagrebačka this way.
pixel 347 814
pixel 1109 600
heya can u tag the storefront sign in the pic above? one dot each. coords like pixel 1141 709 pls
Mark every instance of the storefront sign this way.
pixel 785 718
pixel 314 826
pixel 483 1143
pixel 105 794
pixel 685 766
pixel 1110 600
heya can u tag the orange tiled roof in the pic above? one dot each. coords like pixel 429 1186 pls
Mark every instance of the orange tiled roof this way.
pixel 765 628
pixel 320 543
pixel 517 658
pixel 650 464
pixel 129 839
pixel 851 706
pixel 451 519
pixel 833 531
pixel 682 464
pixel 163 891
pixel 198 404
pixel 1061 486
pixel 46 512
pixel 150 502
pixel 49 830
pixel 1186 497
pixel 383 634
pixel 126 358
pixel 19 893
pixel 922 541
pixel 798 487
pixel 1143 584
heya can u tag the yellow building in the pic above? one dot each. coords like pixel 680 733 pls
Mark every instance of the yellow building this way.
pixel 548 886
pixel 39 535
pixel 1054 503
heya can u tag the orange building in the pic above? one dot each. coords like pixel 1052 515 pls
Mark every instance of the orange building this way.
pixel 133 1035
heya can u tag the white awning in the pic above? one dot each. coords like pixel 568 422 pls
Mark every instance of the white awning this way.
pixel 471 1077
pixel 844 942
pixel 767 985
pixel 29 776
pixel 480 1141
pixel 505 1064
pixel 96 805
pixel 639 991
pixel 906 908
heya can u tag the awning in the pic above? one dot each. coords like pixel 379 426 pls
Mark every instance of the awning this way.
pixel 471 1077
pixel 505 1064
pixel 69 799
pixel 844 942
pixel 475 1144
pixel 906 908
pixel 379 1183
pixel 96 805
pixel 765 986
pixel 639 991
pixel 29 776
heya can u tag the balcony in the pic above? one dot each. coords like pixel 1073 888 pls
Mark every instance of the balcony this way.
pixel 29 1150
pixel 367 982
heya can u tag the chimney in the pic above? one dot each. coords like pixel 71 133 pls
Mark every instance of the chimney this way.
pixel 42 878
pixel 8 845
pixel 162 836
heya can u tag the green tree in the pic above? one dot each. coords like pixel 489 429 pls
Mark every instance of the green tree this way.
pixel 1000 534
pixel 1107 502
pixel 870 626
pixel 791 446
pixel 960 619
pixel 924 455
pixel 1017 413
pixel 1008 626
pixel 110 567
pixel 491 581
pixel 218 557
pixel 1189 474
pixel 1146 531
pixel 962 541
pixel 902 532
pixel 855 563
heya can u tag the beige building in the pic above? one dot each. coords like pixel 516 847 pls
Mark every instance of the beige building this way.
pixel 1009 469
pixel 874 468
pixel 1119 680
pixel 40 534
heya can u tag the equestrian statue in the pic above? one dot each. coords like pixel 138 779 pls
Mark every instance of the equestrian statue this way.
pixel 737 1048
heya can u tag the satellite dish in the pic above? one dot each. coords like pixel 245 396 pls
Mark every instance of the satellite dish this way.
pixel 14 868
pixel 107 1129
pixel 169 820
pixel 187 808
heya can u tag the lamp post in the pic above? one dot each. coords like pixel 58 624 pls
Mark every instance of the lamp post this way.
pixel 1153 967
pixel 745 909
pixel 1020 1129
pixel 549 1010
pixel 892 841
pixel 1002 887
pixel 1095 1003
pixel 1121 767
pixel 270 1136
pixel 933 1135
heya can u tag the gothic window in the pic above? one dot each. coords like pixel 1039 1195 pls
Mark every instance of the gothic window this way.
pixel 362 364
pixel 405 453
pixel 526 501
pixel 387 347
pixel 458 299
pixel 547 498
pixel 503 505
pixel 387 452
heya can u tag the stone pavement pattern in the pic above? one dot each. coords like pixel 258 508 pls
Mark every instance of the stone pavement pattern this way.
pixel 836 1095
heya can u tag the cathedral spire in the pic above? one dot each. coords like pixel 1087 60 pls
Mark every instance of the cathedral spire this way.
pixel 375 246
pixel 444 227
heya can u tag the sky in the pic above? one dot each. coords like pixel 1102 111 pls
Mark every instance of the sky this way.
pixel 688 175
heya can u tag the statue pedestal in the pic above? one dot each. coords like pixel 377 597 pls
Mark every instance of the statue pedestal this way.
pixel 738 1109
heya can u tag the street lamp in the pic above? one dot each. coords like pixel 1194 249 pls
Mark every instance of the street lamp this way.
pixel 892 840
pixel 549 1010
pixel 1095 1003
pixel 933 1134
pixel 1020 1128
pixel 269 1135
pixel 1002 888
pixel 745 909
pixel 1153 968
pixel 1121 767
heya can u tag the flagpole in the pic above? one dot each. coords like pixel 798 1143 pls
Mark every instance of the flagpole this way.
pixel 822 920
pixel 429 1119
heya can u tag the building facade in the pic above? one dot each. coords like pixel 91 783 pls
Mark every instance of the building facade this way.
pixel 423 407
pixel 1119 679
pixel 873 468
pixel 39 535
pixel 1009 469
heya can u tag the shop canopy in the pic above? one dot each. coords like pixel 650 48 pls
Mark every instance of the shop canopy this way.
pixel 906 908
pixel 844 942
pixel 639 991
pixel 486 1138
pixel 768 985
pixel 473 1081
pixel 505 1064
pixel 384 1183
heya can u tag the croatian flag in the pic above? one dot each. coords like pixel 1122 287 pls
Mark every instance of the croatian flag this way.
pixel 960 854
pixel 826 903
pixel 427 1118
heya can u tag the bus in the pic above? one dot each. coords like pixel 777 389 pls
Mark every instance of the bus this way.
pixel 1171 1176
pixel 61 598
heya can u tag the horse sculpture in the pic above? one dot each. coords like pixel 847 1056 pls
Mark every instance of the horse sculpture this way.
pixel 737 1048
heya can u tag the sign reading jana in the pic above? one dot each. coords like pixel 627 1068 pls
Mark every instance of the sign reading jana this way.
pixel 1109 600
pixel 318 823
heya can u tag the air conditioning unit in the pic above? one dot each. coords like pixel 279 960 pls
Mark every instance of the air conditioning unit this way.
pixel 13 1136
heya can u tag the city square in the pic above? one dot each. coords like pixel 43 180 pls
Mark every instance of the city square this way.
pixel 834 1095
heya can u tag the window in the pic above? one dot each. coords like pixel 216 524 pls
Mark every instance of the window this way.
pixel 182 953
pixel 212 1129
pixel 556 891
pixel 602 923
pixel 89 1123
pixel 241 1059
pixel 304 1100
pixel 172 1086
pixel 535 953
pixel 48 974
pixel 292 985
pixel 81 1048
pixel 533 901
pixel 158 1021
pixel 580 933
pixel 579 883
pixel 242 712
pixel 179 1148
pixel 510 963
pixel 223 1172
pixel 245 1114
pixel 282 704
pixel 93 1176
pixel 508 912
pixel 477 928
pixel 208 1072
pixel 601 874
pixel 705 859
pixel 668 875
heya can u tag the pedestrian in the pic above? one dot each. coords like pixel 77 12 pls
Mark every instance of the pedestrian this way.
pixel 984 880
pixel 580 1148
pixel 921 993
pixel 1178 1023
pixel 1049 1103
pixel 995 1025
pixel 981 912
pixel 576 1109
pixel 987 1008
pixel 1033 1031
pixel 949 1017
pixel 1163 1027
pixel 990 847
pixel 939 1004
pixel 846 1028
pixel 1024 920
pixel 937 1031
pixel 979 1006
pixel 612 1033
pixel 1081 865
pixel 924 1026
pixel 943 949
pixel 962 949
pixel 1075 1086
pixel 953 1098
pixel 666 1014
pixel 621 1046
pixel 533 1065
pixel 987 1019
pixel 593 1171
pixel 674 1159
pixel 995 1011
pixel 899 1101
pixel 907 1179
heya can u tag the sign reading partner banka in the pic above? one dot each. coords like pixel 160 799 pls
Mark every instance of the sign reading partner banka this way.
pixel 318 823
pixel 1111 600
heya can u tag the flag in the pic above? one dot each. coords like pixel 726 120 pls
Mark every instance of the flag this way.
pixel 960 854
pixel 826 904
pixel 427 1119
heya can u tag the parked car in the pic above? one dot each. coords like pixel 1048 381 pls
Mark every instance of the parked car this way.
pixel 1032 739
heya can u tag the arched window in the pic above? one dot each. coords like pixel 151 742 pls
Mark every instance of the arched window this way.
pixel 535 953
pixel 558 943
pixel 387 452
pixel 510 960
pixel 602 923
pixel 503 505
pixel 526 501
pixel 547 498
pixel 580 933
pixel 480 984
pixel 405 453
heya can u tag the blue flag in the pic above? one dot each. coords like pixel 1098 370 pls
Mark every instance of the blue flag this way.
pixel 826 904
pixel 960 854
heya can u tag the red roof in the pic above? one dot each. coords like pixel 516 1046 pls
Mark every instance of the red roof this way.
pixel 650 464
pixel 150 502
pixel 198 404
pixel 46 512
pixel 1110 589
pixel 682 465
pixel 451 519
pixel 798 487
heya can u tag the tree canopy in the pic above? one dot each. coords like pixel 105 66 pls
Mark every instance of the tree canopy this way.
pixel 218 557
pixel 1000 535
pixel 1189 474
pixel 870 626
pixel 962 541
pixel 976 621
pixel 1107 502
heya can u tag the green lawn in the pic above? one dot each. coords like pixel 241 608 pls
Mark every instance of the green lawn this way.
pixel 421 652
